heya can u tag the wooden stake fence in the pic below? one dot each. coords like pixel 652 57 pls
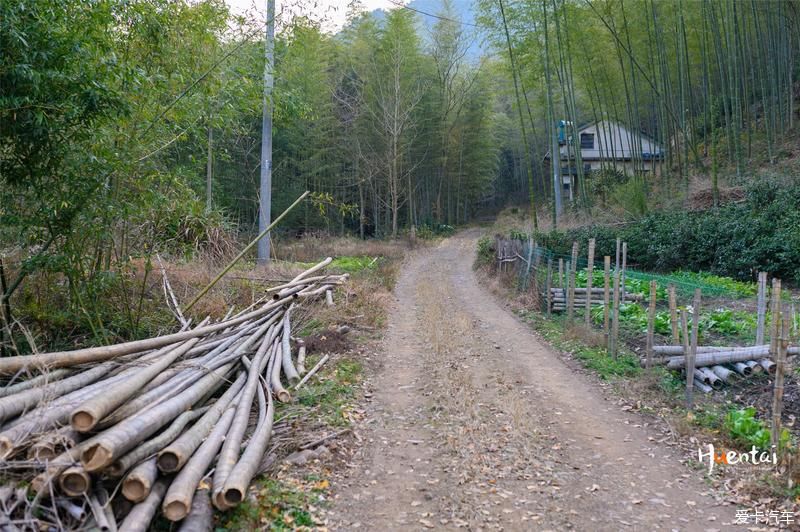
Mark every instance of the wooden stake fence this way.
pixel 673 315
pixel 690 360
pixel 782 344
pixel 615 318
pixel 606 290
pixel 549 285
pixel 572 272
pixel 761 307
pixel 589 271
pixel 651 325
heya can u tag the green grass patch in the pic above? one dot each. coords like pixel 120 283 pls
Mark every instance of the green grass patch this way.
pixel 594 358
pixel 277 506
pixel 332 393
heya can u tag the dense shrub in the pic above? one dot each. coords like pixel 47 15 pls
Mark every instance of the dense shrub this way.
pixel 761 233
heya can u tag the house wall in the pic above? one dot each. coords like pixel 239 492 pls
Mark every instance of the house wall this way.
pixel 627 167
pixel 614 143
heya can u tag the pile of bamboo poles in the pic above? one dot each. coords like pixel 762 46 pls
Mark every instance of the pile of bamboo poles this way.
pixel 176 422
pixel 714 366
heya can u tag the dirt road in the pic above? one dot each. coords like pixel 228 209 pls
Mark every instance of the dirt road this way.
pixel 476 423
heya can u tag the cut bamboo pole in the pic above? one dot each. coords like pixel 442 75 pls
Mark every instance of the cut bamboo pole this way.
pixel 690 363
pixel 75 481
pixel 312 372
pixel 761 307
pixel 775 316
pixel 651 325
pixel 286 353
pixel 301 356
pixel 572 272
pixel 9 365
pixel 201 515
pixel 178 500
pixel 616 263
pixel 138 483
pixel 624 269
pixel 248 248
pixel 122 437
pixel 246 468
pixel 742 369
pixel 606 289
pixel 673 314
pixel 87 415
pixel 138 520
pixel 155 444
pixel 615 317
pixel 549 286
pixel 175 455
pixel 780 361
pixel 561 273
pixel 589 279
pixel 690 376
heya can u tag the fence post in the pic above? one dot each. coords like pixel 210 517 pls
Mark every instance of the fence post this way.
pixel 549 286
pixel 624 268
pixel 780 360
pixel 684 319
pixel 615 316
pixel 651 324
pixel 692 353
pixel 775 312
pixel 673 315
pixel 761 308
pixel 589 271
pixel 606 290
pixel 572 271
pixel 616 264
pixel 561 273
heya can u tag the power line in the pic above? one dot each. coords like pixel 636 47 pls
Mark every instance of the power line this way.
pixel 398 4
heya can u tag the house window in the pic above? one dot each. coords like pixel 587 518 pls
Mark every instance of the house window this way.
pixel 587 141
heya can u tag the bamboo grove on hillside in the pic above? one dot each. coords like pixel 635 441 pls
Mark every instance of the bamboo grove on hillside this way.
pixel 713 81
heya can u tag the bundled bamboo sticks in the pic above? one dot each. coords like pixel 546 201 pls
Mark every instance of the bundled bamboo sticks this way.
pixel 159 414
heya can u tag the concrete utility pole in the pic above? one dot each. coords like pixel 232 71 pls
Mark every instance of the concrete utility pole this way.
pixel 265 190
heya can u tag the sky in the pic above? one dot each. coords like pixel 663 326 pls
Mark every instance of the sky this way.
pixel 332 13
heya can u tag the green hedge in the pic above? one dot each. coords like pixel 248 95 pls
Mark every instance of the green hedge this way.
pixel 762 233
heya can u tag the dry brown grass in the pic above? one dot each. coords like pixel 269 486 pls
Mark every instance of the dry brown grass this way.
pixel 585 335
pixel 314 247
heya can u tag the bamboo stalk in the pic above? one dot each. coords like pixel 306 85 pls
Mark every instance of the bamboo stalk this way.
pixel 589 279
pixel 761 307
pixel 286 353
pixel 651 324
pixel 138 520
pixel 615 317
pixel 138 483
pixel 780 362
pixel 572 272
pixel 247 248
pixel 549 286
pixel 606 288
pixel 175 455
pixel 311 373
pixel 690 376
pixel 178 500
pixel 301 357
pixel 200 517
pixel 246 468
pixel 155 444
pixel 90 412
pixel 673 314
pixel 121 438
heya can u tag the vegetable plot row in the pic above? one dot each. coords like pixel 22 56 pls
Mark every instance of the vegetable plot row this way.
pixel 176 422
